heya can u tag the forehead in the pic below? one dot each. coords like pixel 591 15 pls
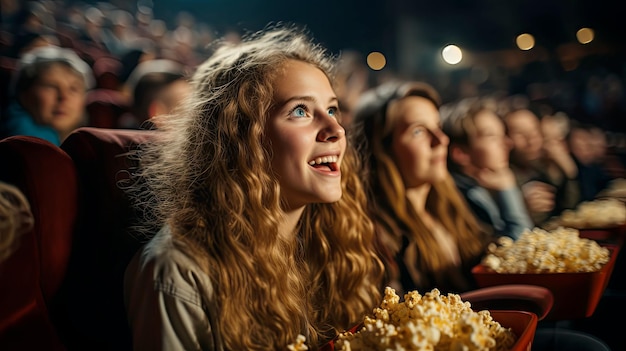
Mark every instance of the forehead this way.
pixel 293 73
pixel 411 110
pixel 487 120
pixel 522 120
pixel 58 68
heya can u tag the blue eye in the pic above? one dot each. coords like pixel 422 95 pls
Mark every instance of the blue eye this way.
pixel 332 112
pixel 418 130
pixel 299 111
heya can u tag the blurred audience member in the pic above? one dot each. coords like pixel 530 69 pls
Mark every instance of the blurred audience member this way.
pixel 591 175
pixel 547 176
pixel 428 233
pixel 49 91
pixel 16 218
pixel 478 159
pixel 157 86
pixel 119 36
pixel 555 127
pixel 22 43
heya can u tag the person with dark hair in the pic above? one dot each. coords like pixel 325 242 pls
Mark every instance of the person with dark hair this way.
pixel 264 235
pixel 158 87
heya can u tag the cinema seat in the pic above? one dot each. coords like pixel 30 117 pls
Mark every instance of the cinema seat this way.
pixel 31 277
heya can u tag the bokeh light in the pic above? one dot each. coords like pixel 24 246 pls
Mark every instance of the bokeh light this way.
pixel 376 60
pixel 525 41
pixel 585 35
pixel 452 54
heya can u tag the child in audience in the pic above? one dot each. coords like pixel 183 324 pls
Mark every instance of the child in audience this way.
pixel 264 230
pixel 49 97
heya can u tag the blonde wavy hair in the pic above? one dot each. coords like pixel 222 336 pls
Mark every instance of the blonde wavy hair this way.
pixel 393 213
pixel 209 177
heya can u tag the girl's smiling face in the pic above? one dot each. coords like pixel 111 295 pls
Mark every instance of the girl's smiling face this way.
pixel 307 141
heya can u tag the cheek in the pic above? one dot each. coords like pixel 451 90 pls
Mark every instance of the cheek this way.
pixel 408 158
pixel 39 105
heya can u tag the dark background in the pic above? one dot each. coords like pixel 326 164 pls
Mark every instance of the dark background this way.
pixel 369 25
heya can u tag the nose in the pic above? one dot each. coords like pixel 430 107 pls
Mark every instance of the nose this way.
pixel 331 130
pixel 62 94
pixel 438 137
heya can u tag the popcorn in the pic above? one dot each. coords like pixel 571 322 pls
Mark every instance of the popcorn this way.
pixel 427 322
pixel 615 188
pixel 299 345
pixel 542 251
pixel 600 213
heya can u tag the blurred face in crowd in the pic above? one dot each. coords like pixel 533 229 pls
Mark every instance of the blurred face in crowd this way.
pixel 168 99
pixel 419 146
pixel 307 141
pixel 525 132
pixel 56 98
pixel 489 146
pixel 581 145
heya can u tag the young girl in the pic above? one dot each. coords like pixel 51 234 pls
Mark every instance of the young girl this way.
pixel 431 237
pixel 265 234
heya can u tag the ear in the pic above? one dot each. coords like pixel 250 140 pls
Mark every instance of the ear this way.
pixel 156 108
pixel 459 155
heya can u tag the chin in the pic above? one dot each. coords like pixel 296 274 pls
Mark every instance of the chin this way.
pixel 331 198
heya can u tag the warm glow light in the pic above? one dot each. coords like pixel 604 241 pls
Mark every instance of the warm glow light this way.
pixel 452 54
pixel 585 35
pixel 525 41
pixel 376 60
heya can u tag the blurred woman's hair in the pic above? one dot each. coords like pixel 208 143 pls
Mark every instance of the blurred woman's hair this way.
pixel 394 214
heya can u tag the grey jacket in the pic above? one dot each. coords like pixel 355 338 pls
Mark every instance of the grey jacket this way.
pixel 166 303
pixel 504 211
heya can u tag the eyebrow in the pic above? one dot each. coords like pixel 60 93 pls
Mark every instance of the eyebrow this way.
pixel 307 98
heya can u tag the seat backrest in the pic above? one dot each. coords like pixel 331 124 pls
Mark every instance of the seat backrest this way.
pixel 105 107
pixel 103 245
pixel 31 277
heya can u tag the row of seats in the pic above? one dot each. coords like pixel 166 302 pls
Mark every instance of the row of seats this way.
pixel 63 288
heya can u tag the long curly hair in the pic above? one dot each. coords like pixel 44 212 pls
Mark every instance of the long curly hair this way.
pixel 394 215
pixel 208 176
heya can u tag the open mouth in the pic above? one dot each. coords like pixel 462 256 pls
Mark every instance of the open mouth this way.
pixel 326 163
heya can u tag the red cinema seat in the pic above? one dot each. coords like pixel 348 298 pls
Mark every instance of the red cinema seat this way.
pixel 31 277
pixel 103 244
